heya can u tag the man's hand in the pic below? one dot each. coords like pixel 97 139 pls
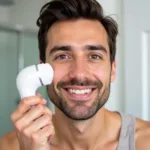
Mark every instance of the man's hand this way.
pixel 33 124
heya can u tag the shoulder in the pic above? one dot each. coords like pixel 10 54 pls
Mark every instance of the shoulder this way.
pixel 9 141
pixel 142 135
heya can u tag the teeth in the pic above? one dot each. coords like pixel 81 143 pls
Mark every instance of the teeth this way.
pixel 86 91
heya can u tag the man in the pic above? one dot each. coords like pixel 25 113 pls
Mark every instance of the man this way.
pixel 80 44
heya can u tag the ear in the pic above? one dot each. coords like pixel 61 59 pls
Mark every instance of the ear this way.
pixel 113 71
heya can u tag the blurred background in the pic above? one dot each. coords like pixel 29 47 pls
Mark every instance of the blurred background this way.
pixel 19 48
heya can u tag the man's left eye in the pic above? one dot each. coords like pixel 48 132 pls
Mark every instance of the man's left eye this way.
pixel 95 57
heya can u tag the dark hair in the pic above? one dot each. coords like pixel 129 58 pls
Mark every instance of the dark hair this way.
pixel 58 10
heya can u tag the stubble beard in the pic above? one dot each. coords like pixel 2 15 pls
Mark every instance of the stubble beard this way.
pixel 79 111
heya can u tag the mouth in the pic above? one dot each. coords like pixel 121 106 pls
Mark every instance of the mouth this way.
pixel 79 93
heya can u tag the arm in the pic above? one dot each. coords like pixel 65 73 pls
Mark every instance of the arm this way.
pixel 143 137
pixel 143 143
pixel 9 142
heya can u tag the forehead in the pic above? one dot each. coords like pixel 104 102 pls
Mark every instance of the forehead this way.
pixel 77 32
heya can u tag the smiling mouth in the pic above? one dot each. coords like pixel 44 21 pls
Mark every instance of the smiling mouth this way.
pixel 79 94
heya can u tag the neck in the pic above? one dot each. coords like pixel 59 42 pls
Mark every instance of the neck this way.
pixel 85 135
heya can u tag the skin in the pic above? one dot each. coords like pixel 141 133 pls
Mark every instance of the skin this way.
pixel 100 131
pixel 80 64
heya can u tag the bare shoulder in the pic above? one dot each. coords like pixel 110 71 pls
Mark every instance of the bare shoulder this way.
pixel 9 141
pixel 142 135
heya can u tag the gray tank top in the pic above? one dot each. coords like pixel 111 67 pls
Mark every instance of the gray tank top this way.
pixel 127 133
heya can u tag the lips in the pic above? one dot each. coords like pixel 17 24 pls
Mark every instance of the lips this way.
pixel 79 93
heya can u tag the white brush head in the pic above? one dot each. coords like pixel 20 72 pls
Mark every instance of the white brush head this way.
pixel 32 77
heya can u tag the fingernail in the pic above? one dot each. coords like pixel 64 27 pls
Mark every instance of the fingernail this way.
pixel 44 101
pixel 49 138
pixel 38 94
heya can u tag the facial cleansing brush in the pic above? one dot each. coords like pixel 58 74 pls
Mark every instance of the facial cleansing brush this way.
pixel 32 77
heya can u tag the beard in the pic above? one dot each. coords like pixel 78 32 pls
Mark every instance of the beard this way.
pixel 80 111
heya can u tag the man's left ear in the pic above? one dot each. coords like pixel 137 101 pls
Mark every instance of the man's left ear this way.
pixel 113 71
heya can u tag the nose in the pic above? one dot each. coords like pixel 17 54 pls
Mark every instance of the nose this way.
pixel 79 69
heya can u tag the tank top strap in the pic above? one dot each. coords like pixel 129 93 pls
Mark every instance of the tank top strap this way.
pixel 127 133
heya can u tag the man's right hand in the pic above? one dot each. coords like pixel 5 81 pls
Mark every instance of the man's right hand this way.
pixel 33 124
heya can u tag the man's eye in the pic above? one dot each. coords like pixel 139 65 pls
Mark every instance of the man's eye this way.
pixel 62 57
pixel 94 56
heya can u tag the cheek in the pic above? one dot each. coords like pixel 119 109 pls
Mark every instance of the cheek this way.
pixel 60 73
pixel 101 72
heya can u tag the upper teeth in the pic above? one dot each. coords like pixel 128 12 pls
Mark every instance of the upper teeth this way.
pixel 80 91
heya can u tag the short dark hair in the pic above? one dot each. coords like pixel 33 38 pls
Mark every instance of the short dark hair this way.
pixel 60 10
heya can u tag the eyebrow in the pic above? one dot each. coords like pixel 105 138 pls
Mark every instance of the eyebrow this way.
pixel 96 47
pixel 60 48
pixel 70 48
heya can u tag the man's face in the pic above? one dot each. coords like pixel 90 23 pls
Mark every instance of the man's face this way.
pixel 79 54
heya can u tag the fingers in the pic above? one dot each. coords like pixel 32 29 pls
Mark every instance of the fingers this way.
pixel 32 115
pixel 36 125
pixel 33 125
pixel 25 105
pixel 43 135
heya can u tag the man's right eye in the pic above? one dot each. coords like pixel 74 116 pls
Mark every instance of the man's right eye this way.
pixel 61 57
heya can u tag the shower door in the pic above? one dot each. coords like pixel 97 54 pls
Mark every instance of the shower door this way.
pixel 8 73
pixel 17 51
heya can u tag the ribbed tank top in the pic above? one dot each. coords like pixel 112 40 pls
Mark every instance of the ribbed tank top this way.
pixel 127 133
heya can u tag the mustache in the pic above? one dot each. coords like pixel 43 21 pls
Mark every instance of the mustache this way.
pixel 80 82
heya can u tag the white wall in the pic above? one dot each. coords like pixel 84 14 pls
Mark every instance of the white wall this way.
pixel 26 13
pixel 4 14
